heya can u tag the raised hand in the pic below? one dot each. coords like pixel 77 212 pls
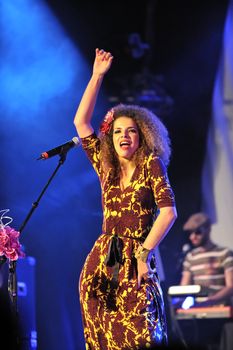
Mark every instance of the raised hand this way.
pixel 103 61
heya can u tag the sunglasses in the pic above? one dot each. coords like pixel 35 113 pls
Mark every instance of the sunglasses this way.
pixel 199 231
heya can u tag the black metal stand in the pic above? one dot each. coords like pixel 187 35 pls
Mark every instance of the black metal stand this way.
pixel 176 330
pixel 12 279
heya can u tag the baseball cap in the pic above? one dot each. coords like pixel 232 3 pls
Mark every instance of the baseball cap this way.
pixel 197 221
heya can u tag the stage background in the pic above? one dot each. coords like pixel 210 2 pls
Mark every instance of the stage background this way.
pixel 166 57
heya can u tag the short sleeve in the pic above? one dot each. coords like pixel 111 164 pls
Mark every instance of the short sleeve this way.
pixel 91 146
pixel 186 263
pixel 163 193
pixel 228 260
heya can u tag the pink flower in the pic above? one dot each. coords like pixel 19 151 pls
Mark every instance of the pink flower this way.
pixel 9 243
pixel 106 125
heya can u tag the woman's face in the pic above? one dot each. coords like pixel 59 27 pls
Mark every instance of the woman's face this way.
pixel 125 137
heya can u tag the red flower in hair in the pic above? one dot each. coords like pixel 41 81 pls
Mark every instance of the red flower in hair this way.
pixel 106 125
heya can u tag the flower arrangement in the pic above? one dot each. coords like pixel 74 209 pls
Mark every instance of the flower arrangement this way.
pixel 106 125
pixel 9 238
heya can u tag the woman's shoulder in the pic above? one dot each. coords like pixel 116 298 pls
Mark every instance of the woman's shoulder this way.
pixel 154 159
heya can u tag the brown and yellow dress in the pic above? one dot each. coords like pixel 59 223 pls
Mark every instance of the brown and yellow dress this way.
pixel 116 314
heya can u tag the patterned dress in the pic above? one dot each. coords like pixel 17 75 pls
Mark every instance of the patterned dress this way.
pixel 116 314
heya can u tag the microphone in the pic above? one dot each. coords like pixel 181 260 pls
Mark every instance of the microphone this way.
pixel 65 147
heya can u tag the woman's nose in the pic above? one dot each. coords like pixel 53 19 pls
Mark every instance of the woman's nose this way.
pixel 125 134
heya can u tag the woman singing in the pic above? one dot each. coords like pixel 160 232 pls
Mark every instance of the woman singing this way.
pixel 120 295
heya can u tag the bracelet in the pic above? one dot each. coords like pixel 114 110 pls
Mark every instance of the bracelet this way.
pixel 142 253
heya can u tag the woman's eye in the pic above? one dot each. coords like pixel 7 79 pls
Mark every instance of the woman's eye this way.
pixel 116 131
pixel 133 131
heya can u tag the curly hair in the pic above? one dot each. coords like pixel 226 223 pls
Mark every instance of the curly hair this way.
pixel 153 137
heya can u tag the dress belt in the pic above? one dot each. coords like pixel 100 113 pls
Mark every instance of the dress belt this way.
pixel 114 257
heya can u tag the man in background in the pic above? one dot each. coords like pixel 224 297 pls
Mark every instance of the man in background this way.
pixel 207 264
pixel 210 266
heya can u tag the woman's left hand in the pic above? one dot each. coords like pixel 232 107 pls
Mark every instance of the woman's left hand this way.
pixel 143 270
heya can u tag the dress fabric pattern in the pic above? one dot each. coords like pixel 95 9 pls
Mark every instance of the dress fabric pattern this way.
pixel 116 314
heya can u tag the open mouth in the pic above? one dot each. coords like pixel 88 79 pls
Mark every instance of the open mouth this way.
pixel 125 144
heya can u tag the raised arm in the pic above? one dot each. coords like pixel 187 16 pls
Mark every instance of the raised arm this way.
pixel 82 120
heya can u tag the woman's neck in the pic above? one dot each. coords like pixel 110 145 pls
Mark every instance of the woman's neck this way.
pixel 126 167
pixel 126 172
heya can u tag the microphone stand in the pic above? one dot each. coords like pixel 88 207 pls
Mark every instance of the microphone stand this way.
pixel 12 279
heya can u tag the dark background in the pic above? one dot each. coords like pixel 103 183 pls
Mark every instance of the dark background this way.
pixel 170 68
